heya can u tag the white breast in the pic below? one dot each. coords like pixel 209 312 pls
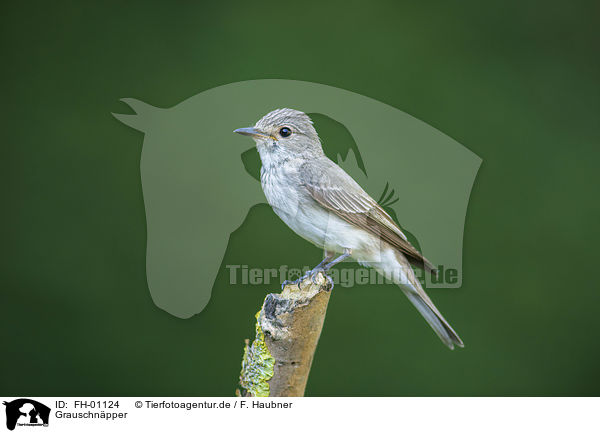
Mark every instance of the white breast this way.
pixel 305 217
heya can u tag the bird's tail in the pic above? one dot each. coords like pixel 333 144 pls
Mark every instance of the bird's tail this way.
pixel 435 319
pixel 395 266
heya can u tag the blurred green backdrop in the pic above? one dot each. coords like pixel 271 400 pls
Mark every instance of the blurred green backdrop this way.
pixel 517 82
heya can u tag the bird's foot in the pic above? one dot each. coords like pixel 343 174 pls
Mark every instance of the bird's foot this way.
pixel 289 282
pixel 315 271
pixel 320 269
pixel 312 274
pixel 297 282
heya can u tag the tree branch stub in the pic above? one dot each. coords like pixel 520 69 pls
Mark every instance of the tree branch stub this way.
pixel 288 327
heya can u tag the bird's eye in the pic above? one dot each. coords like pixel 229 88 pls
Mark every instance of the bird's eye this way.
pixel 285 132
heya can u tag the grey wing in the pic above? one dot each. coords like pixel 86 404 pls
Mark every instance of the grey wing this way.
pixel 335 190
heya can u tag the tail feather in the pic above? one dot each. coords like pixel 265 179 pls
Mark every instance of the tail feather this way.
pixel 395 266
pixel 435 319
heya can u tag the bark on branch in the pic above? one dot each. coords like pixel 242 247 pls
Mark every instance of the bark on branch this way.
pixel 288 326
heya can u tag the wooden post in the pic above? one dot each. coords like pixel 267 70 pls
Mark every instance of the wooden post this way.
pixel 288 326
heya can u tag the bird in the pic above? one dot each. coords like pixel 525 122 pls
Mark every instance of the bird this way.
pixel 319 201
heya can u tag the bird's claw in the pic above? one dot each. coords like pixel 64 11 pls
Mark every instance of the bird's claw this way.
pixel 323 270
pixel 312 274
pixel 296 282
pixel 288 282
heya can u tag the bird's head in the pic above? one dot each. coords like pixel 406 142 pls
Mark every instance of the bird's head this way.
pixel 284 131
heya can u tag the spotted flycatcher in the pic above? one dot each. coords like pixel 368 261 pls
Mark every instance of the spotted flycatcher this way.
pixel 324 205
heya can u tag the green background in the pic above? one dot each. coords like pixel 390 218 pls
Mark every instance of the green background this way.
pixel 517 82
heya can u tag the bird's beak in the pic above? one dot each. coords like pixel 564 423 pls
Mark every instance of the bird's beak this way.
pixel 252 132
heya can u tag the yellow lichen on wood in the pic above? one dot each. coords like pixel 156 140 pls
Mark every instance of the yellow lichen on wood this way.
pixel 257 365
pixel 288 327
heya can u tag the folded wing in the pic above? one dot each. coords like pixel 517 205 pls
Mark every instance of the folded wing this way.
pixel 335 190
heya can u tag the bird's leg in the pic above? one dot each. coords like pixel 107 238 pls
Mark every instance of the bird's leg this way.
pixel 343 257
pixel 327 264
pixel 321 268
pixel 311 273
